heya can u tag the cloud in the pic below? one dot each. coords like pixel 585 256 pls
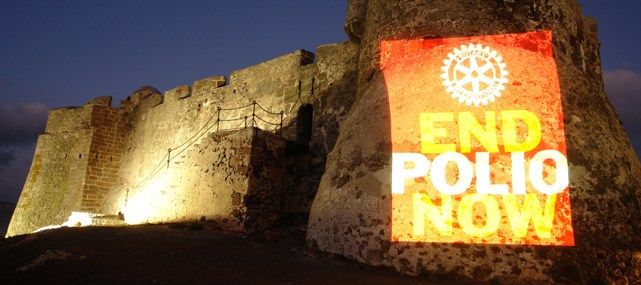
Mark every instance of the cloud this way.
pixel 21 124
pixel 19 129
pixel 13 175
pixel 624 90
pixel 6 157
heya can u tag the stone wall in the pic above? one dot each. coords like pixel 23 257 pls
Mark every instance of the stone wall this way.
pixel 54 185
pixel 183 115
pixel 266 172
pixel 127 147
pixel 283 84
pixel 329 91
pixel 104 155
pixel 231 177
pixel 351 212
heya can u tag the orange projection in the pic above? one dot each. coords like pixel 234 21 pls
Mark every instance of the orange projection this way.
pixel 478 145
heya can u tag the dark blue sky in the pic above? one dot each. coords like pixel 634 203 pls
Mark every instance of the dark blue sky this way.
pixel 61 53
pixel 64 52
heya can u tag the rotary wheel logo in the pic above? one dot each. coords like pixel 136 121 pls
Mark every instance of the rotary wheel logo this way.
pixel 474 74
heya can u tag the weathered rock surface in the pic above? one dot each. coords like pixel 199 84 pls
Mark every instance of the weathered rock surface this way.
pixel 231 177
pixel 351 211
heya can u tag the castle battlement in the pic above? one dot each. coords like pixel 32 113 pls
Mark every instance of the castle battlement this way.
pixel 112 155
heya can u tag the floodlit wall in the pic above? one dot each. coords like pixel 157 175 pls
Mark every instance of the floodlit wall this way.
pixel 183 116
pixel 231 177
pixel 114 160
pixel 62 178
pixel 104 157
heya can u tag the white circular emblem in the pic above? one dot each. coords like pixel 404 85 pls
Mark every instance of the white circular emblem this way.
pixel 474 74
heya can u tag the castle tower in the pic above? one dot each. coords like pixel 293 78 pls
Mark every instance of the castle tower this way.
pixel 481 146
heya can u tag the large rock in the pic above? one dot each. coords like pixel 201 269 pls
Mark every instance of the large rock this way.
pixel 352 211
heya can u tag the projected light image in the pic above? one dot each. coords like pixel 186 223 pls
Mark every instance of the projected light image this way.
pixel 478 145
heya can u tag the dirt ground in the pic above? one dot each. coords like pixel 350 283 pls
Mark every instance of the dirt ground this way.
pixel 178 254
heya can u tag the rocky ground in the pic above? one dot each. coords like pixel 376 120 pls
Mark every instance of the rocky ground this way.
pixel 179 253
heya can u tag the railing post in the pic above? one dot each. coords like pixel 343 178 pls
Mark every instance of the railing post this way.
pixel 168 157
pixel 245 122
pixel 281 121
pixel 218 119
pixel 253 113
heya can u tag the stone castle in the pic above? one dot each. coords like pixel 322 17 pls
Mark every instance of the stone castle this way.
pixel 216 150
pixel 309 134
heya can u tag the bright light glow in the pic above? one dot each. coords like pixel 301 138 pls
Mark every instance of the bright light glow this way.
pixel 477 156
pixel 76 219
pixel 146 204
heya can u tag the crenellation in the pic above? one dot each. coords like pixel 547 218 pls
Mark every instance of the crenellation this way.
pixel 67 119
pixel 256 147
pixel 306 57
pixel 100 101
pixel 208 85
pixel 177 93
pixel 146 141
pixel 149 102
pixel 142 93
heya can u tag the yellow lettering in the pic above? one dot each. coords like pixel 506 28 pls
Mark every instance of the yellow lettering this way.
pixel 469 126
pixel 442 220
pixel 466 214
pixel 510 134
pixel 429 133
pixel 531 209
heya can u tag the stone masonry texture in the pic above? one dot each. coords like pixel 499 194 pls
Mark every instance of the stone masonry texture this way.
pixel 351 211
pixel 100 159
pixel 309 134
